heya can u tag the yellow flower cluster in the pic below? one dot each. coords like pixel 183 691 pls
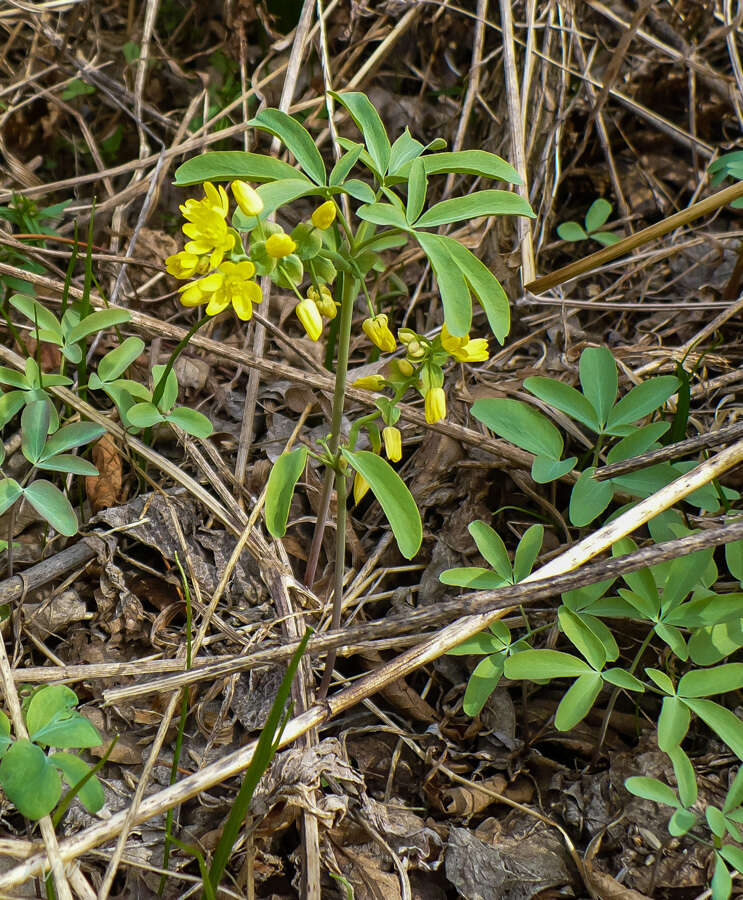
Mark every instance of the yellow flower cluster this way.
pixel 225 283
pixel 311 310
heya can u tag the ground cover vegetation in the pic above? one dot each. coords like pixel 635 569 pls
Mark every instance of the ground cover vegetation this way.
pixel 364 534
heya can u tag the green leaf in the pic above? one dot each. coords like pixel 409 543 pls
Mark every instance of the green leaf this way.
pixel 673 723
pixel 734 796
pixel 564 398
pixel 661 680
pixel 483 681
pixel 191 421
pixel 685 778
pixel 622 679
pixel 711 682
pixel 295 138
pixel 724 723
pixel 709 645
pixel 73 770
pixel 52 504
pixel 606 238
pixel 716 821
pixel 485 286
pixel 144 415
pixel 117 361
pixel 527 551
pixel 589 498
pixel 637 442
pixel 14 379
pixel 484 642
pixel 642 399
pixel 359 190
pixel 347 161
pixel 734 559
pixel 534 665
pixel 229 165
pixel 35 427
pixel 383 214
pixel 417 186
pixel 651 789
pixel 491 546
pixel 275 195
pixel 37 313
pixel 10 491
pixel 472 162
pixel 544 470
pixel 571 231
pixel 472 577
pixel 280 489
pixel 394 498
pixel 681 822
pixel 598 379
pixel 404 150
pixel 520 424
pixel 97 321
pixel 578 701
pixel 722 883
pixel 598 212
pixel 73 435
pixel 473 206
pixel 10 403
pixel 170 393
pixel 67 462
pixel 578 633
pixel 51 719
pixel 455 294
pixel 369 124
pixel 733 855
pixel 29 780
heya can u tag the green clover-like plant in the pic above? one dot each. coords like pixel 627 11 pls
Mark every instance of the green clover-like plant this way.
pixel 598 212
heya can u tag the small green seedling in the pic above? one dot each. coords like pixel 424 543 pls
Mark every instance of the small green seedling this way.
pixel 32 778
pixel 598 212
pixel 730 165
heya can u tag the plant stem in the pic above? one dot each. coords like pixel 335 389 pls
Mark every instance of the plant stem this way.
pixel 160 387
pixel 348 297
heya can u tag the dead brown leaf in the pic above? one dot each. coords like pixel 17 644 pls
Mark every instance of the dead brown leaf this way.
pixel 104 489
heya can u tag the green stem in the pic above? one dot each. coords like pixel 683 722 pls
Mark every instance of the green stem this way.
pixel 160 387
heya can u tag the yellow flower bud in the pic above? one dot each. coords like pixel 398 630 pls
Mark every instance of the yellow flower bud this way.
pixel 324 300
pixel 392 443
pixel 309 315
pixel 379 334
pixel 324 216
pixel 406 335
pixel 435 405
pixel 370 383
pixel 280 245
pixel 360 487
pixel 247 198
pixel 405 368
pixel 416 350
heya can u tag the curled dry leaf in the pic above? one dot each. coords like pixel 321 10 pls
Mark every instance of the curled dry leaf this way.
pixel 104 490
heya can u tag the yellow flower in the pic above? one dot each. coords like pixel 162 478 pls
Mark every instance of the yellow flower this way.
pixel 207 227
pixel 392 443
pixel 379 334
pixel 416 350
pixel 309 315
pixel 435 405
pixel 280 245
pixel 360 487
pixel 230 285
pixel 247 198
pixel 324 216
pixel 462 348
pixel 370 383
pixel 215 200
pixel 405 368
pixel 324 300
pixel 186 265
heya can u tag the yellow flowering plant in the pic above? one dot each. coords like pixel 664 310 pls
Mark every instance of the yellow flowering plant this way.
pixel 373 200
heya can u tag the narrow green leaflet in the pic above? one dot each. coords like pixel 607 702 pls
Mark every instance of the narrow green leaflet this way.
pixel 685 777
pixel 641 400
pixel 651 789
pixel 383 214
pixel 117 361
pixel 394 498
pixel 598 379
pixel 527 552
pixel 589 498
pixel 520 424
pixel 295 138
pixel 67 462
pixel 578 633
pixel 10 491
pixel 144 415
pixel 280 489
pixel 417 186
pixel 228 165
pixel 491 545
pixel 74 435
pixel 472 162
pixel 340 170
pixel 369 124
pixel 485 286
pixel 170 392
pixel 29 780
pixel 723 722
pixel 473 577
pixel 51 503
pixel 578 701
pixel 97 321
pixel 191 421
pixel 571 231
pixel 564 398
pixel 455 294
pixel 37 313
pixel 404 150
pixel 711 682
pixel 673 723
pixel 472 206
pixel 34 427
pixel 544 469
pixel 483 681
pixel 534 665
pixel 598 212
